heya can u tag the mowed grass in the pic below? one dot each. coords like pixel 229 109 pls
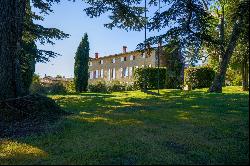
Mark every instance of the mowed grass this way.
pixel 130 128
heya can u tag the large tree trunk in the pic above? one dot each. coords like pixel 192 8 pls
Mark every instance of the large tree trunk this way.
pixel 220 76
pixel 11 26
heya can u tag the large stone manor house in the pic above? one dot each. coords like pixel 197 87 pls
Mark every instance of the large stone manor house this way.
pixel 120 67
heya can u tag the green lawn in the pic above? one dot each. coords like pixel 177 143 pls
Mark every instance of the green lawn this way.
pixel 135 128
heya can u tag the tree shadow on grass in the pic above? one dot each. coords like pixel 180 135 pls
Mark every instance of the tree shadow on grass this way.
pixel 175 128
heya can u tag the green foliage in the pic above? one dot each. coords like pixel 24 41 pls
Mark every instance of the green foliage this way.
pixel 70 86
pixel 174 63
pixel 123 14
pixel 30 54
pixel 35 32
pixel 27 64
pixel 117 86
pixel 36 86
pixel 99 86
pixel 199 77
pixel 57 88
pixel 149 78
pixel 233 78
pixel 114 86
pixel 61 87
pixel 81 65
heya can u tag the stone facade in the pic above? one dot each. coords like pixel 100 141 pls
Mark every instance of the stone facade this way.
pixel 119 67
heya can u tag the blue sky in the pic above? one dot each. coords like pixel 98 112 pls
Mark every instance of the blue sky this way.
pixel 70 18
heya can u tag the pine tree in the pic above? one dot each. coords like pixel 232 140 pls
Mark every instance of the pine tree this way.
pixel 81 65
pixel 30 54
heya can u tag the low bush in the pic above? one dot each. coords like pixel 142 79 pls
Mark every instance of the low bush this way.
pixel 99 86
pixel 69 86
pixel 57 88
pixel 115 86
pixel 199 77
pixel 54 88
pixel 149 78
pixel 38 88
pixel 233 78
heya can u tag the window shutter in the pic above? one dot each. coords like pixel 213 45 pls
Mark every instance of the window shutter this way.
pixel 114 73
pixel 109 75
pixel 121 72
pixel 91 75
pixel 97 74
pixel 131 71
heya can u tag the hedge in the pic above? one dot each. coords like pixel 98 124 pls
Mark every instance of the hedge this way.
pixel 199 77
pixel 149 76
pixel 108 87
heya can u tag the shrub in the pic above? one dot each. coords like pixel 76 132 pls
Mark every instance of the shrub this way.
pixel 70 87
pixel 116 86
pixel 37 88
pixel 57 88
pixel 199 77
pixel 149 77
pixel 131 87
pixel 233 78
pixel 99 86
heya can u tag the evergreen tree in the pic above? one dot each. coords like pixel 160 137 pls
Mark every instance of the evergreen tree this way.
pixel 30 54
pixel 81 65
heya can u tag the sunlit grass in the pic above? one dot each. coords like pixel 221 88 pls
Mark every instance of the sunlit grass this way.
pixel 177 127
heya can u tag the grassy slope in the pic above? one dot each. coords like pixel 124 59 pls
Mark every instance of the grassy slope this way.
pixel 133 128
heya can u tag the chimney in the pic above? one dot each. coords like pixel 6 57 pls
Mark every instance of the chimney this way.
pixel 97 55
pixel 125 49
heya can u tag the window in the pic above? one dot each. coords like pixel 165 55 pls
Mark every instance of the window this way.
pixel 97 74
pixel 109 75
pixel 130 71
pixel 123 59
pixel 132 57
pixel 113 60
pixel 113 73
pixel 94 75
pixel 91 75
pixel 90 63
pixel 102 73
pixel 101 62
pixel 124 72
pixel 143 55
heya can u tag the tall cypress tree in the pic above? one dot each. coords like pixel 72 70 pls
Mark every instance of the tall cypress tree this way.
pixel 81 65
